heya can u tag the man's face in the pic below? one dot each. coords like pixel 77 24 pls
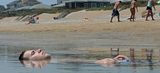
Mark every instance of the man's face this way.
pixel 36 54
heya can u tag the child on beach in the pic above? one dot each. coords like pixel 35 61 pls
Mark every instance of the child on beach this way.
pixel 132 9
pixel 150 4
pixel 115 10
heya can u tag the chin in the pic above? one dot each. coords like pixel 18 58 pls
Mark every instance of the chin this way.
pixel 48 57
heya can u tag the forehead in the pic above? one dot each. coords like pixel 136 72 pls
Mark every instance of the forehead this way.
pixel 27 53
pixel 121 58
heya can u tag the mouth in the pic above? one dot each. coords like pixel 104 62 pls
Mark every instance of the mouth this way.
pixel 43 53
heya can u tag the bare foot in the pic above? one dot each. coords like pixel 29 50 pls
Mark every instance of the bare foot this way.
pixel 119 21
pixel 147 20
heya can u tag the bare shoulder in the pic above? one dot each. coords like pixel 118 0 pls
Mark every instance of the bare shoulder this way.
pixel 105 61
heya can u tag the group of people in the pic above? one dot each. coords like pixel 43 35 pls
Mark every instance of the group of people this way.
pixel 133 9
pixel 39 58
pixel 30 56
pixel 33 19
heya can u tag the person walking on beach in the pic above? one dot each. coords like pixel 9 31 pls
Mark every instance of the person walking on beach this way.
pixel 132 9
pixel 150 4
pixel 115 10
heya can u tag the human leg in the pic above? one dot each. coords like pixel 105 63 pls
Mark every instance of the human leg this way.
pixel 118 17
pixel 132 17
pixel 147 15
pixel 113 14
pixel 152 15
pixel 133 13
pixel 111 19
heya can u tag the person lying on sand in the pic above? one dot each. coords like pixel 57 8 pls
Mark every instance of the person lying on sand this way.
pixel 133 9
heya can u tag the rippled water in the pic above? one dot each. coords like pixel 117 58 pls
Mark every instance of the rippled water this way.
pixel 66 62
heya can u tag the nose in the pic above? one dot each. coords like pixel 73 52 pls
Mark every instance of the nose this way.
pixel 39 50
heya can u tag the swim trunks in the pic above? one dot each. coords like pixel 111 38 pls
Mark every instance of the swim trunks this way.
pixel 149 8
pixel 115 12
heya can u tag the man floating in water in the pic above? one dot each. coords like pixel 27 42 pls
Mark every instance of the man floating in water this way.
pixel 115 60
pixel 34 58
pixel 38 54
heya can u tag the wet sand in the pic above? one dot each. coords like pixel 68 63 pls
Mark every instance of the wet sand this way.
pixel 75 39
pixel 75 32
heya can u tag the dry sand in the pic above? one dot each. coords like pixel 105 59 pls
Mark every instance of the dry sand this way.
pixel 83 29
pixel 97 21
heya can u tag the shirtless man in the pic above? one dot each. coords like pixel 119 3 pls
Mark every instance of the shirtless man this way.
pixel 150 4
pixel 111 61
pixel 115 10
pixel 132 9
pixel 37 54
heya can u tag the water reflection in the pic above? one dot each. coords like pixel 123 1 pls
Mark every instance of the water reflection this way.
pixel 35 64
pixel 69 62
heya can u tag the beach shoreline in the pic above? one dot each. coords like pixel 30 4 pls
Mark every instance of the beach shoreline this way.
pixel 93 29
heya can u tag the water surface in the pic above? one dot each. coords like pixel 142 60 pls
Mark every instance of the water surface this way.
pixel 67 59
pixel 68 62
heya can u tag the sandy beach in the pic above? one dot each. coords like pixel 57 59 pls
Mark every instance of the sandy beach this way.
pixel 83 29
pixel 97 21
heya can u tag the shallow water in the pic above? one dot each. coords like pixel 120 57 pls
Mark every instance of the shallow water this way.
pixel 65 40
pixel 68 60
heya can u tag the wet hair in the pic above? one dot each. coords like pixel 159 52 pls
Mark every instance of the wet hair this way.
pixel 121 58
pixel 21 55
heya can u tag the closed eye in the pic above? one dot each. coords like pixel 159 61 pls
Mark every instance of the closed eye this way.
pixel 32 53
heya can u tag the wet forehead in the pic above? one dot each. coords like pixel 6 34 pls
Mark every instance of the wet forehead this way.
pixel 27 53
